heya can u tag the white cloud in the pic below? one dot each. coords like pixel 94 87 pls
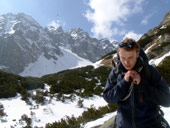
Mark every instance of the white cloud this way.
pixel 146 19
pixel 133 35
pixel 106 13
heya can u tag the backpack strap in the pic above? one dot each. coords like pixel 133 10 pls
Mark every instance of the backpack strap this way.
pixel 146 68
pixel 131 87
pixel 129 92
pixel 164 123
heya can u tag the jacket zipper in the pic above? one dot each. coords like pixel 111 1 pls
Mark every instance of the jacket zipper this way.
pixel 133 109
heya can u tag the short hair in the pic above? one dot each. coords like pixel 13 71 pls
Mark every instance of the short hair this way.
pixel 134 44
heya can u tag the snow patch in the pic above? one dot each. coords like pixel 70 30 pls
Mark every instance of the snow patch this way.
pixel 43 114
pixel 98 64
pixel 10 25
pixel 45 66
pixel 148 49
pixel 100 121
pixel 163 27
pixel 159 60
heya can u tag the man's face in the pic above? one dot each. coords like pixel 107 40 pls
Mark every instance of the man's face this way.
pixel 128 58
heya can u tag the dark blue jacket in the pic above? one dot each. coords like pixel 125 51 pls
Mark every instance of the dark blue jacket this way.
pixel 140 109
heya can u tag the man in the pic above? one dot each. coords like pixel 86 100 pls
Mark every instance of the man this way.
pixel 138 96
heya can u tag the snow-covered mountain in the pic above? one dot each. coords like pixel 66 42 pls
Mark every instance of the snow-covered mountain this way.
pixel 23 41
pixel 93 49
pixel 80 42
pixel 24 44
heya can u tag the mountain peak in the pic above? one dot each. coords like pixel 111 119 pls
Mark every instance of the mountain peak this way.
pixel 24 42
pixel 166 20
pixel 19 16
pixel 54 29
pixel 10 22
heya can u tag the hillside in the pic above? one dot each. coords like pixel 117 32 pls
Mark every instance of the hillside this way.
pixel 80 89
pixel 12 84
pixel 156 44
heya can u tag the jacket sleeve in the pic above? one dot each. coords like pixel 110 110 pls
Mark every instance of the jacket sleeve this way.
pixel 115 89
pixel 157 90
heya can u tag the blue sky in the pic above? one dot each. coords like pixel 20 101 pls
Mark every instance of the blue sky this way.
pixel 112 19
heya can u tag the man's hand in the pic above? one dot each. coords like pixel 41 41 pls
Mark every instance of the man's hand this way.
pixel 131 74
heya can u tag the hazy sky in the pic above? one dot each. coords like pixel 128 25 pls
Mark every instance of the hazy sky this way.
pixel 112 19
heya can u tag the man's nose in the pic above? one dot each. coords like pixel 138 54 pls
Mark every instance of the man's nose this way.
pixel 126 62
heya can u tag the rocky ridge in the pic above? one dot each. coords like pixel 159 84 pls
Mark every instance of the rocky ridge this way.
pixel 23 41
